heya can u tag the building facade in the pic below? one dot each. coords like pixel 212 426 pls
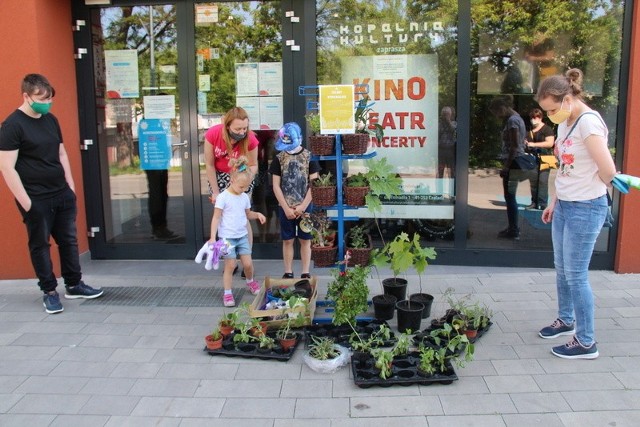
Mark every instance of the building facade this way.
pixel 138 83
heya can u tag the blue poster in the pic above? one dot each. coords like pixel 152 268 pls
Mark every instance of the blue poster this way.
pixel 154 136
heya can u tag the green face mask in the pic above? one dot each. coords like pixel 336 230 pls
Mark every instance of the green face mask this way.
pixel 40 107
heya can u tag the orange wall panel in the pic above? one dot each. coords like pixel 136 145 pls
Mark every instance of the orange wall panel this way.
pixel 37 38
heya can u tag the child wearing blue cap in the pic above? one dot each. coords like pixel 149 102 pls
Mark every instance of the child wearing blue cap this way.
pixel 292 171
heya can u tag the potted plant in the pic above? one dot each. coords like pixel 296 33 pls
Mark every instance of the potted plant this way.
pixel 214 340
pixel 323 250
pixel 400 254
pixel 359 244
pixel 227 322
pixel 285 336
pixel 382 181
pixel 383 361
pixel 357 143
pixel 324 355
pixel 265 343
pixel 349 292
pixel 323 190
pixel 355 189
pixel 242 335
pixel 319 145
pixel 258 327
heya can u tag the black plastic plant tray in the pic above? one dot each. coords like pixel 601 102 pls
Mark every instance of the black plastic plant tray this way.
pixel 404 372
pixel 252 350
pixel 341 333
pixel 420 336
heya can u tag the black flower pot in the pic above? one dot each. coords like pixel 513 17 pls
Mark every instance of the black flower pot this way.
pixel 409 315
pixel 426 300
pixel 384 306
pixel 395 286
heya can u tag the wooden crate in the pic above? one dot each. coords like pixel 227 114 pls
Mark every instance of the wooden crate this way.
pixel 268 315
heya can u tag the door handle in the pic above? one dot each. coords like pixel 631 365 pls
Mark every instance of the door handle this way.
pixel 181 144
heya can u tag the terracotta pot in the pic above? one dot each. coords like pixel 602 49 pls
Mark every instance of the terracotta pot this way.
pixel 471 333
pixel 287 343
pixel 225 330
pixel 259 331
pixel 213 344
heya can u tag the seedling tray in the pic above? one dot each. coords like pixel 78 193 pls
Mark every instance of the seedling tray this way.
pixel 419 338
pixel 341 333
pixel 404 372
pixel 252 349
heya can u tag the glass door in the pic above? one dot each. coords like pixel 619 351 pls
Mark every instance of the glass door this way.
pixel 238 57
pixel 144 156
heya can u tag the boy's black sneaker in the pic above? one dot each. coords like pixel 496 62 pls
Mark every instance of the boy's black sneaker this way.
pixel 52 303
pixel 305 276
pixel 82 291
pixel 287 276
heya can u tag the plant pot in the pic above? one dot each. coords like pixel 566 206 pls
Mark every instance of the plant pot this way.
pixel 409 315
pixel 355 143
pixel 226 330
pixel 395 286
pixel 384 306
pixel 322 145
pixel 471 333
pixel 324 256
pixel 354 196
pixel 213 344
pixel 360 256
pixel 426 300
pixel 324 196
pixel 260 330
pixel 287 343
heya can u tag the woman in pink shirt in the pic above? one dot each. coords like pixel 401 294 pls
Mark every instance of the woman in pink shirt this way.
pixel 230 139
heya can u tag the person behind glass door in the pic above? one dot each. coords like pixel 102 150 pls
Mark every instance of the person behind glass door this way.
pixel 512 137
pixel 578 210
pixel 231 214
pixel 223 142
pixel 539 140
pixel 35 166
pixel 447 136
pixel 292 171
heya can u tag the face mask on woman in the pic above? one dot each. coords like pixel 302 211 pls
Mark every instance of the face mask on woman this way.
pixel 560 115
pixel 237 136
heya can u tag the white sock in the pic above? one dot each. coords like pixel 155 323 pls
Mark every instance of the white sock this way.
pixel 249 280
pixel 228 292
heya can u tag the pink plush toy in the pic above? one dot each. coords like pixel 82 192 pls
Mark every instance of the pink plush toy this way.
pixel 213 252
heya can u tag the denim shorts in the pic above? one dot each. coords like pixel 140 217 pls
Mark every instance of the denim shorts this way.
pixel 239 246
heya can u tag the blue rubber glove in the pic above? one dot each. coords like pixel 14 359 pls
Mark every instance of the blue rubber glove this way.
pixel 623 182
pixel 212 252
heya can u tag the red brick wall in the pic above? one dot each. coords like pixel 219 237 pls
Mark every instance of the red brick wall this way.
pixel 36 37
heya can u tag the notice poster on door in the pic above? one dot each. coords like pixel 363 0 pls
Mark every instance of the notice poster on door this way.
pixel 270 112
pixel 122 73
pixel 270 78
pixel 251 105
pixel 336 109
pixel 159 107
pixel 155 143
pixel 247 79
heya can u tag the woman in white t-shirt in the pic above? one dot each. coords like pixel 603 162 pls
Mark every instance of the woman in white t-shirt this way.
pixel 230 218
pixel 578 210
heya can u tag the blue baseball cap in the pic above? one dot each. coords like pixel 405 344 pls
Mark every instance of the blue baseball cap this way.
pixel 289 137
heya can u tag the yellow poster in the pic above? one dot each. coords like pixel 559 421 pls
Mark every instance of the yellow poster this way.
pixel 337 108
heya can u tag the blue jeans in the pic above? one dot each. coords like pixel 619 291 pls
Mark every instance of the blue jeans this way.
pixel 575 228
pixel 54 217
pixel 510 188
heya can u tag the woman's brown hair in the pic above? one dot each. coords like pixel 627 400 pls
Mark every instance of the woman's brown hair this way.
pixel 231 115
pixel 560 86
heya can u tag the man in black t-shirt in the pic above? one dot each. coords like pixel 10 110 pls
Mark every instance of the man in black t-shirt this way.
pixel 35 166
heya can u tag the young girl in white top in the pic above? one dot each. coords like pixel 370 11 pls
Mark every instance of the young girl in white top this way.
pixel 578 210
pixel 231 213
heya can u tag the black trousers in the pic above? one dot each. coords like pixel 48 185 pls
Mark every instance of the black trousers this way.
pixel 157 181
pixel 54 217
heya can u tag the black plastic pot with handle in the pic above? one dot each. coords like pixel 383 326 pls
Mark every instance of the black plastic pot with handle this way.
pixel 426 300
pixel 409 315
pixel 395 286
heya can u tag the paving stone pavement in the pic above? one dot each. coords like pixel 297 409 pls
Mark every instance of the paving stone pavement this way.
pixel 109 365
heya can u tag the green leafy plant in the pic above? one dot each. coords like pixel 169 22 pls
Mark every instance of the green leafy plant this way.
pixel 349 291
pixel 357 237
pixel 313 123
pixel 402 346
pixel 266 342
pixel 361 116
pixel 402 253
pixel 357 180
pixel 324 180
pixel 428 360
pixel 383 181
pixel 323 348
pixel 294 320
pixel 376 339
pixel 320 225
pixel 243 335
pixel 229 319
pixel 216 334
pixel 384 360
